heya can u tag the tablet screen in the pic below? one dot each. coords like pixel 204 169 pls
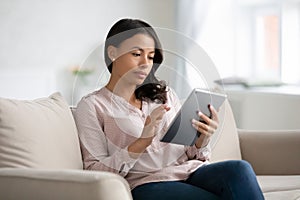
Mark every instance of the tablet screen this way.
pixel 180 130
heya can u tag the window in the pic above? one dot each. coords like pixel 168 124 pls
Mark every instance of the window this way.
pixel 269 34
pixel 290 46
pixel 256 40
pixel 267 46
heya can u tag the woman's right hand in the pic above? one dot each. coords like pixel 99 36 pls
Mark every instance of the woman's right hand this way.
pixel 153 120
pixel 149 131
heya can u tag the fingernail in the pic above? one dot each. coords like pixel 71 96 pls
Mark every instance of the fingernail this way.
pixel 194 126
pixel 200 113
pixel 194 121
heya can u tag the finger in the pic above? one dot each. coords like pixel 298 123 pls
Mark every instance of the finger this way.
pixel 148 120
pixel 204 117
pixel 208 132
pixel 210 122
pixel 163 107
pixel 214 113
pixel 214 121
pixel 157 113
pixel 166 107
pixel 200 126
pixel 214 124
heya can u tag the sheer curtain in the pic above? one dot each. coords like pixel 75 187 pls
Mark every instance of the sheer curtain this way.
pixel 209 26
pixel 217 35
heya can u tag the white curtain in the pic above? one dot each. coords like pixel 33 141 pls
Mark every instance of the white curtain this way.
pixel 209 25
pixel 190 16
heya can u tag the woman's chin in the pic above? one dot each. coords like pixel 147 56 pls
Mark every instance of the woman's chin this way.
pixel 139 83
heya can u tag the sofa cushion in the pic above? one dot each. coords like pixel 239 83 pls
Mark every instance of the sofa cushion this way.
pixel 38 133
pixel 279 183
pixel 225 141
pixel 44 184
pixel 280 187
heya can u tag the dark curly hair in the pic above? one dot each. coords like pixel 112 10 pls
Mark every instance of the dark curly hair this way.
pixel 152 89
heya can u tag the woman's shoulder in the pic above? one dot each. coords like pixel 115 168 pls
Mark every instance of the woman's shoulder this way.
pixel 97 97
pixel 94 94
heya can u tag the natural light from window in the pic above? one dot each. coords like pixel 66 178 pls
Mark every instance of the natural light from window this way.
pixel 256 40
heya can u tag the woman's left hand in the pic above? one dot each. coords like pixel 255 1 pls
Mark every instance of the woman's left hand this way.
pixel 206 128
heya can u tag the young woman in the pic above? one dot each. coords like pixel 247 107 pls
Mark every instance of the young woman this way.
pixel 121 124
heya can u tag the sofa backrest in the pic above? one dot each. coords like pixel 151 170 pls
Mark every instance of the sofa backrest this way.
pixel 225 142
pixel 42 134
pixel 38 133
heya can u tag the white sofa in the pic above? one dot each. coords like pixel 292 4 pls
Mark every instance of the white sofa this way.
pixel 40 155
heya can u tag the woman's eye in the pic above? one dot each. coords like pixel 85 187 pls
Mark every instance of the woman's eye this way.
pixel 151 57
pixel 136 54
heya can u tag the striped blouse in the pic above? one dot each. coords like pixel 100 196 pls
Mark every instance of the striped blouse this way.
pixel 107 124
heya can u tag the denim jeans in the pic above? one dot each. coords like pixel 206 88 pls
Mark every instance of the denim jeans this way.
pixel 228 180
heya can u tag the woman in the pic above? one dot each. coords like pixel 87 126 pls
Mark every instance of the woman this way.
pixel 120 126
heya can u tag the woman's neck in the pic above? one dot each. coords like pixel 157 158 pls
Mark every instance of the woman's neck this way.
pixel 126 91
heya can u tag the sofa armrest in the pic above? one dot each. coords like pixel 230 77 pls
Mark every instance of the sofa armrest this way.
pixel 61 184
pixel 271 152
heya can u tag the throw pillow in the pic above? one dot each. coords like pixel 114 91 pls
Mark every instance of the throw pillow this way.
pixel 38 133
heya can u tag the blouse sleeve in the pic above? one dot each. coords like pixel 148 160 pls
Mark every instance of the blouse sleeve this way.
pixel 94 145
pixel 202 154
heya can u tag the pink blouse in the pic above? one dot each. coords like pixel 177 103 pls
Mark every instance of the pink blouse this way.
pixel 107 124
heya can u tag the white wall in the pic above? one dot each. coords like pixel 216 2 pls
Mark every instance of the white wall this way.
pixel 266 108
pixel 53 35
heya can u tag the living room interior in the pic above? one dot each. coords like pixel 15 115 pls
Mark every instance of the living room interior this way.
pixel 254 47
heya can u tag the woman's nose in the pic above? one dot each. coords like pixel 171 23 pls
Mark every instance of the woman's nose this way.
pixel 145 61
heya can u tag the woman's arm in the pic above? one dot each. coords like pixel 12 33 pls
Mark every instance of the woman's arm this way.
pixel 150 130
pixel 94 144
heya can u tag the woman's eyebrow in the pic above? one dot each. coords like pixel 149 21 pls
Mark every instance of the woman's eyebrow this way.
pixel 141 49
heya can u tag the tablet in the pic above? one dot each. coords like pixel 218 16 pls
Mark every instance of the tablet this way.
pixel 180 130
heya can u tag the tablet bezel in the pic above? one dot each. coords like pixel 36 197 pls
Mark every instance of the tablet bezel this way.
pixel 180 130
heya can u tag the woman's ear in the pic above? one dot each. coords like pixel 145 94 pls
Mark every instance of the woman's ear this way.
pixel 112 52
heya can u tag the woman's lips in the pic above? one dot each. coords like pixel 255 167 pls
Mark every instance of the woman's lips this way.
pixel 141 75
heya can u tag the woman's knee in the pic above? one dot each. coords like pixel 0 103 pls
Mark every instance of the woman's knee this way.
pixel 242 165
pixel 239 168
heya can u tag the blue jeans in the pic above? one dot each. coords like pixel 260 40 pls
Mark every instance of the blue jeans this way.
pixel 224 180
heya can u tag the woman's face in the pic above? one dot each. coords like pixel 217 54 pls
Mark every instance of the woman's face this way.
pixel 133 59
